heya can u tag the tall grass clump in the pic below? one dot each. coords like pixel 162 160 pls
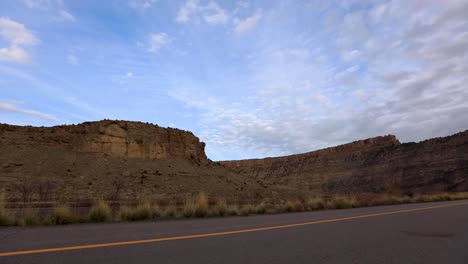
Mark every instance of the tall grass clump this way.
pixel 221 207
pixel 260 208
pixel 247 209
pixel 342 202
pixel 141 212
pixel 100 212
pixel 315 204
pixel 62 215
pixel 197 206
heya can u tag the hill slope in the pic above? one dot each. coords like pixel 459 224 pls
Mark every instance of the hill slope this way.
pixel 135 161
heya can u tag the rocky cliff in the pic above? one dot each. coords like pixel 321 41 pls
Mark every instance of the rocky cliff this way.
pixel 115 138
pixel 378 164
pixel 112 160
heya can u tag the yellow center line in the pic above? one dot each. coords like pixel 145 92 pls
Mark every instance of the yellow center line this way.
pixel 154 240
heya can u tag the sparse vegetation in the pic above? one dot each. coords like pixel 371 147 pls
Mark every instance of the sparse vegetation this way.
pixel 5 218
pixel 100 212
pixel 198 206
pixel 221 207
pixel 62 215
pixel 142 212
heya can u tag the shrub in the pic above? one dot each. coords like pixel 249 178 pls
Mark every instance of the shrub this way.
pixel 260 208
pixel 233 210
pixel 315 204
pixel 344 202
pixel 221 207
pixel 169 212
pixel 62 215
pixel 201 205
pixel 196 207
pixel 141 212
pixel 247 209
pixel 189 208
pixel 100 212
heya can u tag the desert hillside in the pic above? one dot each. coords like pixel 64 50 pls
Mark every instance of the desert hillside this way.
pixel 375 165
pixel 112 160
pixel 122 160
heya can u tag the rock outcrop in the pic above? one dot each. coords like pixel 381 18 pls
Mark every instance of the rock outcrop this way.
pixel 378 164
pixel 113 160
pixel 115 138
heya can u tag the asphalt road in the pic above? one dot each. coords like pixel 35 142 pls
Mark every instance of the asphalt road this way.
pixel 416 233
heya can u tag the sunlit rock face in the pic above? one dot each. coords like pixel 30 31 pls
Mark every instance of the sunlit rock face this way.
pixel 115 138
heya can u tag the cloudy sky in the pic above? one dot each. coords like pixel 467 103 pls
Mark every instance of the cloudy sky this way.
pixel 250 78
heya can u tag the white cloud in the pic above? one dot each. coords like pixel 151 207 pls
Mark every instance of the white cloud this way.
pixel 55 7
pixel 247 23
pixel 10 107
pixel 66 16
pixel 211 13
pixel 214 14
pixel 72 59
pixel 18 38
pixel 398 69
pixel 156 41
pixel 141 4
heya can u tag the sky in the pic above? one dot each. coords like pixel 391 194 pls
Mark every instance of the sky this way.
pixel 250 78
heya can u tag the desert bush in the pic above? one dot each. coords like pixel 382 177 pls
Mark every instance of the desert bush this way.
pixel 169 212
pixel 260 208
pixel 221 207
pixel 29 218
pixel 100 212
pixel 247 209
pixel 232 210
pixel 141 212
pixel 197 206
pixel 342 202
pixel 315 204
pixel 62 215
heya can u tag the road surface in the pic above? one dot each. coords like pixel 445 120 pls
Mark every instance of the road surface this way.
pixel 414 233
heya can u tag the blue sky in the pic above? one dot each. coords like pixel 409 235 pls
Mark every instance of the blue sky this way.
pixel 250 78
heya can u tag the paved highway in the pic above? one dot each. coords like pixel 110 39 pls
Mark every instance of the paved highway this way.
pixel 415 233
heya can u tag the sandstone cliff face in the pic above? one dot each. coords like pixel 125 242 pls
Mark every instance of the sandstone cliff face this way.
pixel 112 160
pixel 115 138
pixel 374 165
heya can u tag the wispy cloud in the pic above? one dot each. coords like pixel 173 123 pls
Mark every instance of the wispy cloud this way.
pixel 397 67
pixel 156 41
pixel 247 23
pixel 18 38
pixel 57 8
pixel 72 59
pixel 10 107
pixel 211 12
pixel 141 4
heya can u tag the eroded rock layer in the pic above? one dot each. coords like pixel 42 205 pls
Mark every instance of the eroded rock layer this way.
pixel 373 165
pixel 115 138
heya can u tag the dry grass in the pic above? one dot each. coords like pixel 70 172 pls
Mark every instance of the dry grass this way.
pixel 169 211
pixel 196 206
pixel 343 202
pixel 315 203
pixel 100 212
pixel 142 212
pixel 62 215
pixel 221 207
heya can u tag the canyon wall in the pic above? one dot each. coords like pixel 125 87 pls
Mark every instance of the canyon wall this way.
pixel 380 164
